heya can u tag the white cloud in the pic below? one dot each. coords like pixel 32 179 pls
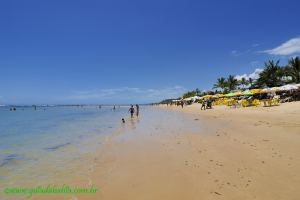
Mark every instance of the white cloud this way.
pixel 289 47
pixel 129 94
pixel 243 52
pixel 253 75
pixel 235 53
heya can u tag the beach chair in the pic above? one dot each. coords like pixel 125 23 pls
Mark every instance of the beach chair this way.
pixel 245 103
pixel 276 100
pixel 256 102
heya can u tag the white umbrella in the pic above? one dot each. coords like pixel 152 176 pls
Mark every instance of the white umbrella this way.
pixel 266 90
pixel 288 87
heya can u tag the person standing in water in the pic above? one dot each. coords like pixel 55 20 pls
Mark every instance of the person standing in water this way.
pixel 131 110
pixel 137 110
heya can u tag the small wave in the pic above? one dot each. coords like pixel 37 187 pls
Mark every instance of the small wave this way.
pixel 57 146
pixel 10 159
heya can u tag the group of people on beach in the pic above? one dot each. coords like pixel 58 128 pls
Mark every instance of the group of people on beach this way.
pixel 206 104
pixel 131 110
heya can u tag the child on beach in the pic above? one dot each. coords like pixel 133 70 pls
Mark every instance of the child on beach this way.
pixel 203 106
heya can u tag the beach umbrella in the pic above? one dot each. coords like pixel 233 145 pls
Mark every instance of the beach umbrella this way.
pixel 256 91
pixel 266 90
pixel 206 96
pixel 275 89
pixel 247 93
pixel 238 93
pixel 229 94
pixel 188 99
pixel 288 87
pixel 218 96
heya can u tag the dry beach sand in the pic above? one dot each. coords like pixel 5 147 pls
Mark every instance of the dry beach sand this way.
pixel 244 153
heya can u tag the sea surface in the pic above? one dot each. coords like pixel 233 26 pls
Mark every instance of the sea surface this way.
pixel 36 143
pixel 52 144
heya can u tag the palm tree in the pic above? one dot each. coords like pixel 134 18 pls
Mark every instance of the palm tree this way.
pixel 243 82
pixel 232 82
pixel 271 75
pixel 251 82
pixel 294 68
pixel 198 92
pixel 221 83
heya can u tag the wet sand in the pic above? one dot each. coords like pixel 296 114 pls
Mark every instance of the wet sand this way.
pixel 244 153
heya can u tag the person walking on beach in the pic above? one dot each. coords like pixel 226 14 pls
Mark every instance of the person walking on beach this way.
pixel 182 103
pixel 203 105
pixel 137 110
pixel 131 110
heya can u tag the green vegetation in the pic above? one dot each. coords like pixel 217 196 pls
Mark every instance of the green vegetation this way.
pixel 273 75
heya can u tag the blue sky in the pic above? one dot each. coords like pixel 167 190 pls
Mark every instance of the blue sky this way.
pixel 136 51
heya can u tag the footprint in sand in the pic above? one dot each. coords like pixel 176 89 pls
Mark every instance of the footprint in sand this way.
pixel 218 193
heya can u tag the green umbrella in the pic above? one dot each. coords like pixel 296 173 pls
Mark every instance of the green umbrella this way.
pixel 230 94
pixel 247 93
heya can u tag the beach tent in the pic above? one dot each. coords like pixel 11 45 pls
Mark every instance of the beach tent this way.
pixel 247 93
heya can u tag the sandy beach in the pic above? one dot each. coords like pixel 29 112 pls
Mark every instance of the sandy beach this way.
pixel 245 153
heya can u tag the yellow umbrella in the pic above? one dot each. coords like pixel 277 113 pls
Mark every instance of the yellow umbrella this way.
pixel 255 91
pixel 207 96
pixel 238 93
pixel 218 96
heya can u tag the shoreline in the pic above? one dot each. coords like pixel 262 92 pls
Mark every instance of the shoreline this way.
pixel 244 153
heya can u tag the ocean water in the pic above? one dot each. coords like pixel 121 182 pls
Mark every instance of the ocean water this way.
pixel 36 144
pixel 55 145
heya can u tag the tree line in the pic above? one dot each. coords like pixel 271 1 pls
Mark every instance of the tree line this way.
pixel 273 75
